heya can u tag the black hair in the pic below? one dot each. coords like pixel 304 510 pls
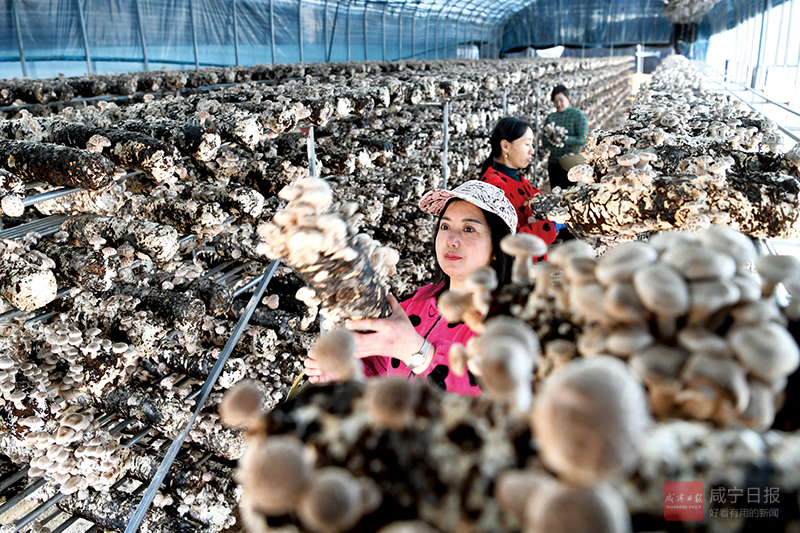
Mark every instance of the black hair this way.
pixel 507 129
pixel 501 262
pixel 559 89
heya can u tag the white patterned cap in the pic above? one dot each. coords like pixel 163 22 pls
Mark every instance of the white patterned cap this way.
pixel 479 193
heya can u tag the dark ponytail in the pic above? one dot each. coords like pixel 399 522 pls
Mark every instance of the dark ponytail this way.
pixel 507 129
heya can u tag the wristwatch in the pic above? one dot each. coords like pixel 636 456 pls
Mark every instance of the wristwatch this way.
pixel 418 359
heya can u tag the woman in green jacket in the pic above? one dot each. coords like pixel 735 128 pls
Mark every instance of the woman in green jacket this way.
pixel 574 121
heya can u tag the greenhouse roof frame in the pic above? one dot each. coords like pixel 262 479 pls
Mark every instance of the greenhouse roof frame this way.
pixel 106 36
pixel 488 10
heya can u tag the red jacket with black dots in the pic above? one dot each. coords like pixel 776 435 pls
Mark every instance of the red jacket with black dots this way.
pixel 518 193
pixel 427 320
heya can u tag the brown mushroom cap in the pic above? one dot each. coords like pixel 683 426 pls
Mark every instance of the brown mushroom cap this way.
pixel 333 502
pixel 515 487
pixel 391 402
pixel 738 245
pixel 241 404
pixel 659 363
pixel 775 268
pixel 726 374
pixel 505 370
pixel 627 341
pixel 671 239
pixel 699 263
pixel 593 341
pixel 275 474
pixel 579 270
pixel 662 290
pixel 621 303
pixel 77 421
pixel 481 282
pixel 627 160
pixel 598 509
pixel 701 340
pixel 587 300
pixel 560 350
pixel 760 412
pixel 454 304
pixel 707 297
pixel 504 325
pixel 620 263
pixel 334 354
pixel 523 247
pixel 768 350
pixel 757 312
pixel 573 248
pixel 588 418
pixel 749 285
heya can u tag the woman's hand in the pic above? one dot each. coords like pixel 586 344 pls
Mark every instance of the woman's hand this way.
pixel 394 336
pixel 311 369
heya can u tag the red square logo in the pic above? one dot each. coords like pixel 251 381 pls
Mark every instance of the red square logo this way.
pixel 683 500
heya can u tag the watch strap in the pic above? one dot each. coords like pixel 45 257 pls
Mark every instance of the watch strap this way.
pixel 418 358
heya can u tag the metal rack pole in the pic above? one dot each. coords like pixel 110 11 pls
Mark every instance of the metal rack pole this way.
pixel 300 27
pixel 85 39
pixel 445 143
pixel 312 152
pixel 17 31
pixel 194 36
pixel 235 32
pixel 172 453
pixel 536 132
pixel 400 33
pixel 141 35
pixel 272 29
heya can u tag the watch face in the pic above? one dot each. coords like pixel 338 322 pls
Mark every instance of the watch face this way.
pixel 418 358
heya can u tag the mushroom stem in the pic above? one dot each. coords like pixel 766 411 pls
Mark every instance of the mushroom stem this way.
pixel 667 326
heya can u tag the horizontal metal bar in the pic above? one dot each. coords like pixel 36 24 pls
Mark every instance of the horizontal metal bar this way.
pixel 7 482
pixel 39 226
pixel 27 491
pixel 36 513
pixel 121 425
pixel 247 286
pixel 66 524
pixel 231 272
pixel 49 195
pixel 42 318
pixel 219 268
pixel 139 436
pixel 52 515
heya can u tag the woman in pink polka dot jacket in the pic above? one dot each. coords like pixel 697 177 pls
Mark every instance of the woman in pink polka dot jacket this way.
pixel 414 342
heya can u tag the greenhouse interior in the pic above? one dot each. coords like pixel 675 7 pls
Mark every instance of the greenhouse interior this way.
pixel 438 266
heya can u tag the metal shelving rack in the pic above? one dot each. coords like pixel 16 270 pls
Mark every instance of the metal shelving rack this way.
pixel 228 272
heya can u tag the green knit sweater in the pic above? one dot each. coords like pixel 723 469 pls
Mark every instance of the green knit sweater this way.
pixel 575 121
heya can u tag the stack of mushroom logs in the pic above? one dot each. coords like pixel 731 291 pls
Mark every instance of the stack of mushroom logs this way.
pixel 686 158
pixel 252 112
pixel 133 289
pixel 679 327
pixel 386 135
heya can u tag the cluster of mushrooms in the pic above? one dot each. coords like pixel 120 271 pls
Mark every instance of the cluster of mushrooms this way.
pixel 590 369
